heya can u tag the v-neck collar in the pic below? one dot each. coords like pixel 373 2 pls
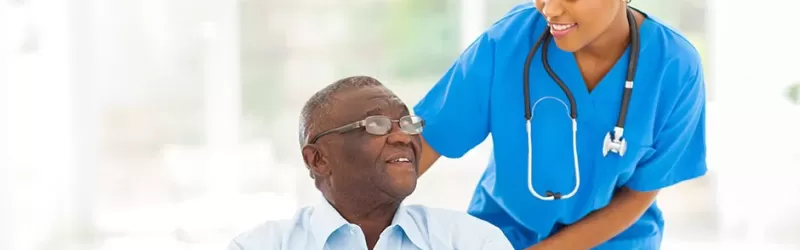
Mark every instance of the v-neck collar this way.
pixel 573 77
pixel 569 71
pixel 613 78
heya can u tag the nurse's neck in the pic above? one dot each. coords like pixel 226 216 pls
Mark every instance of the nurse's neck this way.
pixel 611 44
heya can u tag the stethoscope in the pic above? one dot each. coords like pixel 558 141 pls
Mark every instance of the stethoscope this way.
pixel 613 142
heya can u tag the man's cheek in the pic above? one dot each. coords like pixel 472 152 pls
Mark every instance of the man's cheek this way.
pixel 372 150
pixel 417 143
pixel 357 153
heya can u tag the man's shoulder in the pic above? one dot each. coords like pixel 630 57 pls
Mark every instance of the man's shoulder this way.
pixel 441 217
pixel 269 234
pixel 459 230
pixel 268 229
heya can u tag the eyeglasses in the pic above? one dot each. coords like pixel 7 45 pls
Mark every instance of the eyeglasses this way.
pixel 379 125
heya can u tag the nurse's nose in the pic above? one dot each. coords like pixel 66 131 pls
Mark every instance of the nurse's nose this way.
pixel 552 9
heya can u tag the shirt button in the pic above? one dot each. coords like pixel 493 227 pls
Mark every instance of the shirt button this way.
pixel 352 231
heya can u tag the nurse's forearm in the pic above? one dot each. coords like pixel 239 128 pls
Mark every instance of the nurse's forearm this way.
pixel 427 158
pixel 625 208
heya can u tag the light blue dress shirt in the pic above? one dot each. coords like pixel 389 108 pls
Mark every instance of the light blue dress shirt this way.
pixel 414 227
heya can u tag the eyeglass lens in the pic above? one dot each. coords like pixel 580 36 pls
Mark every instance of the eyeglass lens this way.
pixel 381 125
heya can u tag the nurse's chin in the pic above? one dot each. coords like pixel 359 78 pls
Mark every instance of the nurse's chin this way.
pixel 569 45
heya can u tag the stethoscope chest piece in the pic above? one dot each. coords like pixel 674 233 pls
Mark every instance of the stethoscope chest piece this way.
pixel 614 144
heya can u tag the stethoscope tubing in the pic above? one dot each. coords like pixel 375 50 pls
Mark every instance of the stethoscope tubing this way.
pixel 543 42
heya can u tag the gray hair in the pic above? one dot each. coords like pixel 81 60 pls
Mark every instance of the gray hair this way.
pixel 317 109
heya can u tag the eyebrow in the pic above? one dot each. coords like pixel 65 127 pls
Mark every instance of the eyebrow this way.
pixel 375 111
pixel 381 111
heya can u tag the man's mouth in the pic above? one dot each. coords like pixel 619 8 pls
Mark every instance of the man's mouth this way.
pixel 399 160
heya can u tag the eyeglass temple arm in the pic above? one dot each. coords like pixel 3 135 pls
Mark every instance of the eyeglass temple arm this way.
pixel 344 128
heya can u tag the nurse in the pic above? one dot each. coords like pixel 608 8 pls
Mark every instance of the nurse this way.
pixel 615 112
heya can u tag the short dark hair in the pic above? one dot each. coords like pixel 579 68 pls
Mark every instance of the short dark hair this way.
pixel 317 109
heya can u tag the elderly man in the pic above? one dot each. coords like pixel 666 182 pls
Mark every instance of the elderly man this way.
pixel 362 147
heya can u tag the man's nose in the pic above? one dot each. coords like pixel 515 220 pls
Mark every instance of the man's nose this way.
pixel 397 136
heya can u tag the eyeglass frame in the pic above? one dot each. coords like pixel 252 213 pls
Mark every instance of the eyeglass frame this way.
pixel 362 124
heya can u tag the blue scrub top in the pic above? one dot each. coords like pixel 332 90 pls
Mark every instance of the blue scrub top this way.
pixel 481 94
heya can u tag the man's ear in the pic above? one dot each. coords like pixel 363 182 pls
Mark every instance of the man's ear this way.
pixel 316 161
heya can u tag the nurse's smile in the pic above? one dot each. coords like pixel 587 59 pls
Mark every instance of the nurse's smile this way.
pixel 560 30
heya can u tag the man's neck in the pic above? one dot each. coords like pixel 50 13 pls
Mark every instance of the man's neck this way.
pixel 372 216
pixel 612 43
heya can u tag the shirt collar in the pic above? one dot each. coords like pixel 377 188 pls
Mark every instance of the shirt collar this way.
pixel 325 220
pixel 413 231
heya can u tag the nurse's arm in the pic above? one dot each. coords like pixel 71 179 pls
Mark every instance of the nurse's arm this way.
pixel 428 158
pixel 600 226
pixel 679 155
pixel 456 109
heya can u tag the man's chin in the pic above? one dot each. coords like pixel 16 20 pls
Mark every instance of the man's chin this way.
pixel 404 188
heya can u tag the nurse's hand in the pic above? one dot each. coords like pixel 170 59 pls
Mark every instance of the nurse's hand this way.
pixel 602 225
pixel 427 157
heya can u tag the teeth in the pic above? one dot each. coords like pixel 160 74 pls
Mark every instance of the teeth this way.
pixel 561 27
pixel 401 160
